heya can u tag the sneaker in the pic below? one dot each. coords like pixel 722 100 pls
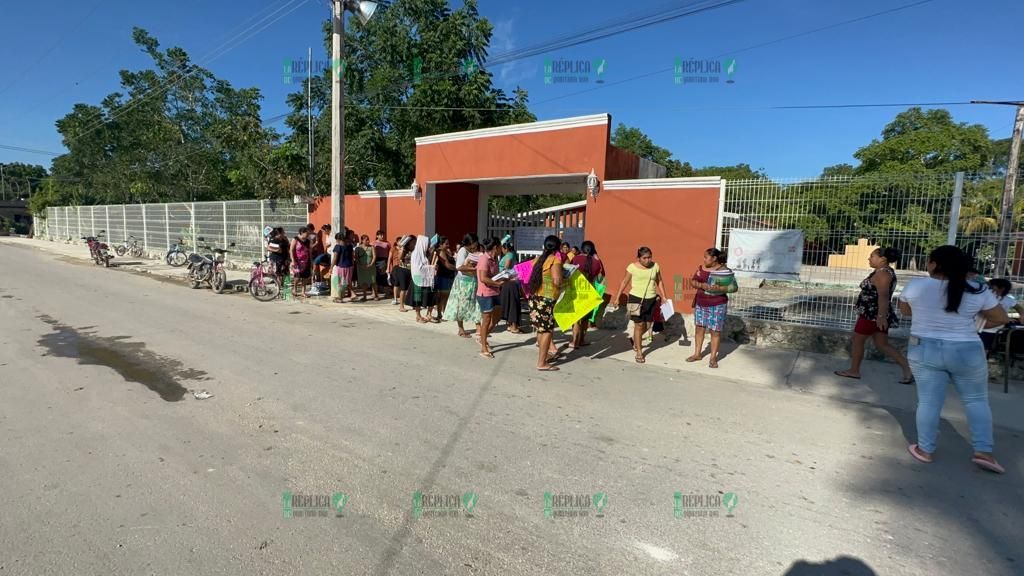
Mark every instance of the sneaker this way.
pixel 394 302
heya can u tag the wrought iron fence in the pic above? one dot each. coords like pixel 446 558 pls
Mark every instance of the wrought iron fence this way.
pixel 158 226
pixel 913 213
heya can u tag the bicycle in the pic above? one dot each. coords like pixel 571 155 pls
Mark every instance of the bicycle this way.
pixel 132 248
pixel 263 284
pixel 177 256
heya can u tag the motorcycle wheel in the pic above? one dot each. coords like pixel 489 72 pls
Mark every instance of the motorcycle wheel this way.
pixel 268 292
pixel 120 250
pixel 106 262
pixel 219 280
pixel 176 259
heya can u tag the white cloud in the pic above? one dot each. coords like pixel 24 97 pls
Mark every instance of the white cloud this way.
pixel 503 41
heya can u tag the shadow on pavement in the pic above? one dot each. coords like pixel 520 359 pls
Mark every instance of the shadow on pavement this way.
pixel 841 566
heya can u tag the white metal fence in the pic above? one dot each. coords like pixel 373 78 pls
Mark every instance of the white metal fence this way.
pixel 913 213
pixel 570 215
pixel 158 226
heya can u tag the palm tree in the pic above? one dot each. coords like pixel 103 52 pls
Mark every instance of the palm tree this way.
pixel 982 205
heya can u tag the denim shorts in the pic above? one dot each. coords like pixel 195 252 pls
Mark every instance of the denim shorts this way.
pixel 488 303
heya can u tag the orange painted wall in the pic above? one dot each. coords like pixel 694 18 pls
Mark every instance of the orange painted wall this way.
pixel 622 164
pixel 572 150
pixel 678 225
pixel 396 216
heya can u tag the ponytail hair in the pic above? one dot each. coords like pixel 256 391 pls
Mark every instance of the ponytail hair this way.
pixel 952 263
pixel 891 255
pixel 718 255
pixel 551 245
pixel 590 250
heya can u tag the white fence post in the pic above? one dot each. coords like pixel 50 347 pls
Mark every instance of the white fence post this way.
pixel 145 246
pixel 954 210
pixel 167 224
pixel 192 216
pixel 124 221
pixel 107 209
pixel 92 218
pixel 79 212
pixel 224 207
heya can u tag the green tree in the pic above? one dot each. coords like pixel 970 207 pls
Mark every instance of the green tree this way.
pixel 927 141
pixel 21 180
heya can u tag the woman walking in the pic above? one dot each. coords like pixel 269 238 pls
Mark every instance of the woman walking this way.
pixel 487 292
pixel 593 270
pixel 876 315
pixel 446 272
pixel 342 262
pixel 301 270
pixel 710 303
pixel 944 347
pixel 645 289
pixel 401 273
pixel 544 286
pixel 462 305
pixel 420 294
pixel 366 269
pixel 511 292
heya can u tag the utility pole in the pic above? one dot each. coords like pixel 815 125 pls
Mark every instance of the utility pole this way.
pixel 364 11
pixel 311 188
pixel 3 183
pixel 1009 185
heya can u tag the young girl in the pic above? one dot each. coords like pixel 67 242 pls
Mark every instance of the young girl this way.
pixel 711 303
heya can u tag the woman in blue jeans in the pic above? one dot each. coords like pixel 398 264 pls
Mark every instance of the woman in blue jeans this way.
pixel 944 347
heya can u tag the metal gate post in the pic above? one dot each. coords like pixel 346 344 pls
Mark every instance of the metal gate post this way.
pixel 954 210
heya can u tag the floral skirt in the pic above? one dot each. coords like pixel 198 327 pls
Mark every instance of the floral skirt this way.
pixel 542 313
pixel 710 317
pixel 462 305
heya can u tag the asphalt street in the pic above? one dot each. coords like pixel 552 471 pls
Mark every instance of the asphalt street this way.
pixel 109 464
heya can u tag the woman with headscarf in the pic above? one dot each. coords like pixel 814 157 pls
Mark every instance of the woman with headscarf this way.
pixel 421 294
pixel 462 304
pixel 511 292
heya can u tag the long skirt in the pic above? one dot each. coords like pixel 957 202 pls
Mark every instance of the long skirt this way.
pixel 511 302
pixel 420 296
pixel 462 304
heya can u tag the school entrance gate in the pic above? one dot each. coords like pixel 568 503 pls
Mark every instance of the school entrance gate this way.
pixel 627 202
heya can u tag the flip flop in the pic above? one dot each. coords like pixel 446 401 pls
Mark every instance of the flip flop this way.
pixel 842 373
pixel 464 335
pixel 487 355
pixel 694 359
pixel 908 381
pixel 549 369
pixel 986 464
pixel 713 364
pixel 640 359
pixel 918 454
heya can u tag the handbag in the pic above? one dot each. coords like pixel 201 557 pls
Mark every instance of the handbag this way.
pixel 634 308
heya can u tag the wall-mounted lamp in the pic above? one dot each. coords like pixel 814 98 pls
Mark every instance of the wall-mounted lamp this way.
pixel 416 192
pixel 593 185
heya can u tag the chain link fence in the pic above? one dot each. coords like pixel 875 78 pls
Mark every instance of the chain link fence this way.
pixel 840 218
pixel 156 227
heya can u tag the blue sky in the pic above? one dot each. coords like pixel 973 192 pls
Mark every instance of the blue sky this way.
pixel 61 53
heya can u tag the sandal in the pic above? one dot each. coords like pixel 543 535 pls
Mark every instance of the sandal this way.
pixel 694 358
pixel 920 455
pixel 549 369
pixel 845 374
pixel 640 359
pixel 988 463
pixel 487 354
pixel 908 381
pixel 463 334
pixel 713 364
pixel 421 320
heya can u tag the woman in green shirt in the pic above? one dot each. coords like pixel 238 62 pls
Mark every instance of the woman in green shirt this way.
pixel 511 292
pixel 366 270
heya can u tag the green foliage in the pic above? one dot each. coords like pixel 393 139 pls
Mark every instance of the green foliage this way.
pixel 390 102
pixel 21 180
pixel 927 141
pixel 635 141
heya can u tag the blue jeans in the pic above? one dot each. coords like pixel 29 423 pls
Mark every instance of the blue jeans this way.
pixel 934 363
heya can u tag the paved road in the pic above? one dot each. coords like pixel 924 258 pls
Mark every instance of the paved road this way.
pixel 109 465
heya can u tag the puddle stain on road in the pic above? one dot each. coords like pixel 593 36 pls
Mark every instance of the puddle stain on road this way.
pixel 131 360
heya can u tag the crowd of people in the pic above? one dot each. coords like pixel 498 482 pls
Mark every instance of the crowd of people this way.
pixel 478 284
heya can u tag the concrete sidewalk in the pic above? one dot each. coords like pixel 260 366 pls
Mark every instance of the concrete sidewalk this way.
pixel 783 370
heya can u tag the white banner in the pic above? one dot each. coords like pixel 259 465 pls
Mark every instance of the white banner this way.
pixel 772 254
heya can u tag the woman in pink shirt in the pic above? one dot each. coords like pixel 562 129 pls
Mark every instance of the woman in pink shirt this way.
pixel 487 291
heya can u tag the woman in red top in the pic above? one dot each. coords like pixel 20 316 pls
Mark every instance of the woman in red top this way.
pixel 593 270
pixel 710 305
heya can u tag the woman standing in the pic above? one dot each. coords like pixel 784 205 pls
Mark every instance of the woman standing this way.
pixel 421 294
pixel 544 285
pixel 277 254
pixel 1001 287
pixel 366 269
pixel 593 270
pixel 301 270
pixel 342 262
pixel 944 347
pixel 382 252
pixel 394 259
pixel 645 288
pixel 710 304
pixel 511 292
pixel 487 291
pixel 462 304
pixel 445 274
pixel 401 273
pixel 875 315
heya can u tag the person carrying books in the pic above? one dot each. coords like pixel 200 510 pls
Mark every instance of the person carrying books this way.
pixel 713 281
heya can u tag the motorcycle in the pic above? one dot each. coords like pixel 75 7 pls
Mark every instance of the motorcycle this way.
pixel 98 249
pixel 208 269
pixel 177 256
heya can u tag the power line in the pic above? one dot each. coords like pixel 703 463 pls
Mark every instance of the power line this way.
pixel 745 49
pixel 29 150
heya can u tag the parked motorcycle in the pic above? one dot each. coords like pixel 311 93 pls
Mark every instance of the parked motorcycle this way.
pixel 177 256
pixel 98 249
pixel 208 269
